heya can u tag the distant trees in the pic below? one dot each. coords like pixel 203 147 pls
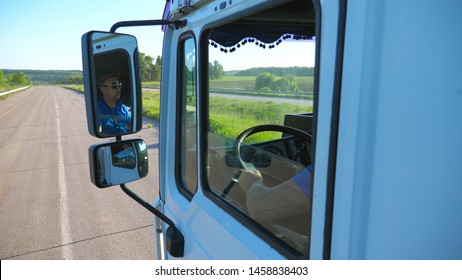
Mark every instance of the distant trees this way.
pixel 73 79
pixel 41 77
pixel 216 70
pixel 264 80
pixel 268 81
pixel 150 70
pixel 16 79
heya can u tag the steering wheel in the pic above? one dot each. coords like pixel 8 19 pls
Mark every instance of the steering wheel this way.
pixel 256 129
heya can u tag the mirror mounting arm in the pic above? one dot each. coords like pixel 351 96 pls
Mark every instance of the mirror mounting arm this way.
pixel 178 23
pixel 175 239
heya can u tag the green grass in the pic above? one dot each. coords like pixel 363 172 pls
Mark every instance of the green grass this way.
pixel 229 117
pixel 78 88
pixel 5 88
pixel 151 104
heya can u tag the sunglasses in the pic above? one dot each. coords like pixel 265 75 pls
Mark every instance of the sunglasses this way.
pixel 114 85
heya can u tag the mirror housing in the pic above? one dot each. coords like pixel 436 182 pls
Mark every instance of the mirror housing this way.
pixel 112 84
pixel 117 163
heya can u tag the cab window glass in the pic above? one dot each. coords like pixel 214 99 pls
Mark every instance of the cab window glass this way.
pixel 186 126
pixel 260 112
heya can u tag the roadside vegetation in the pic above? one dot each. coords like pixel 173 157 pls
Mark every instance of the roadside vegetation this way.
pixel 290 82
pixel 151 104
pixel 13 80
pixel 78 88
pixel 224 111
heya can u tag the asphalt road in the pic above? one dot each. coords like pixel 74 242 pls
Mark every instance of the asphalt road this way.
pixel 49 209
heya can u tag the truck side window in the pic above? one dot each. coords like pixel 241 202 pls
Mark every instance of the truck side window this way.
pixel 261 72
pixel 186 125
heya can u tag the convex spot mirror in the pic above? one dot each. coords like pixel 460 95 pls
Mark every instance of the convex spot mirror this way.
pixel 118 162
pixel 112 84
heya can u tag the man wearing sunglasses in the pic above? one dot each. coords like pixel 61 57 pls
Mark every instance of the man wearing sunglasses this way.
pixel 113 116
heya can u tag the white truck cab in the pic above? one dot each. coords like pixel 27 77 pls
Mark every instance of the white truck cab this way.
pixel 336 137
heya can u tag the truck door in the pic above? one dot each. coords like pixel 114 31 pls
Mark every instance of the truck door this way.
pixel 238 117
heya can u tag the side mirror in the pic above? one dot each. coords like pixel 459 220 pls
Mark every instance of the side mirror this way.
pixel 112 84
pixel 118 162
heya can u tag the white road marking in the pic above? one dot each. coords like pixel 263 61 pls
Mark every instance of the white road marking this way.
pixel 64 209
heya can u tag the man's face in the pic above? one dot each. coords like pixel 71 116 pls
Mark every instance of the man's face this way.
pixel 108 89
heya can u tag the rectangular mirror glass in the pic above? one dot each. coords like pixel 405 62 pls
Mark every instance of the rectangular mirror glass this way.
pixel 112 84
pixel 118 162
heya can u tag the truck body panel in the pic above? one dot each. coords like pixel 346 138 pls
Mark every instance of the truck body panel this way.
pixel 361 159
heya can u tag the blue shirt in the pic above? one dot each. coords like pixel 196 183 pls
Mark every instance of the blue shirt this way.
pixel 113 121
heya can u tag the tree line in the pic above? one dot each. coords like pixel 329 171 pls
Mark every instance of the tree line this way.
pixel 38 77
pixel 268 78
pixel 151 70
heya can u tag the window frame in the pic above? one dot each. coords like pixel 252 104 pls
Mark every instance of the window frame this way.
pixel 181 117
pixel 263 233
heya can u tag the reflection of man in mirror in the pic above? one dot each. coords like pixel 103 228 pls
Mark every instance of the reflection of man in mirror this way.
pixel 113 116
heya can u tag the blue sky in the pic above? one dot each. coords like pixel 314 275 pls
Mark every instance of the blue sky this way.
pixel 47 34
